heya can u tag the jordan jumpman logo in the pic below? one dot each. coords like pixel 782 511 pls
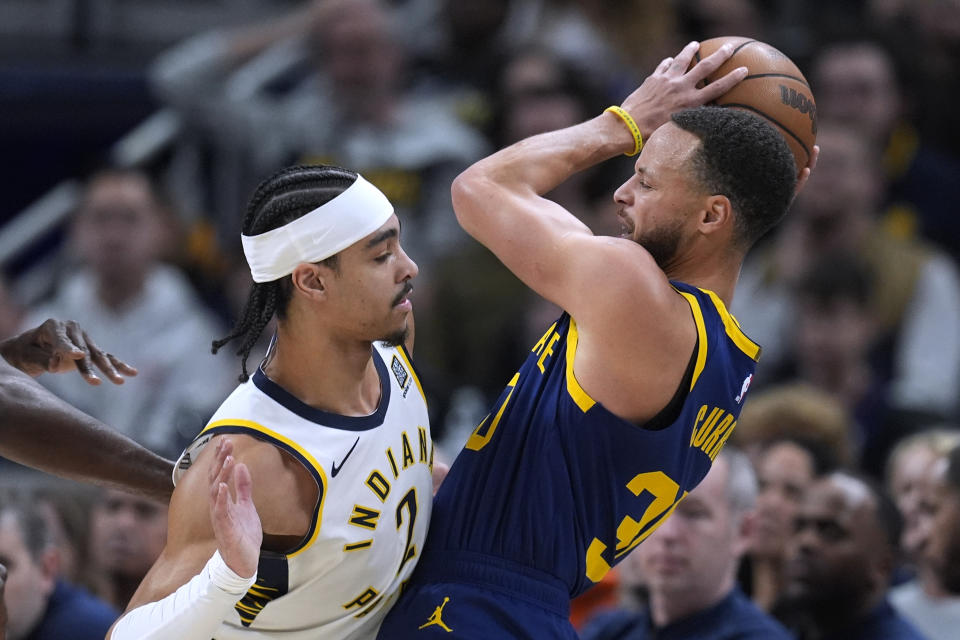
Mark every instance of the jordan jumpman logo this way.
pixel 437 616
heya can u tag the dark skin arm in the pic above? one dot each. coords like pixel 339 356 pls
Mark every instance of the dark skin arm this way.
pixel 42 431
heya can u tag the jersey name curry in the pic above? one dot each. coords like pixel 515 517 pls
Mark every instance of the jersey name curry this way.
pixel 370 522
pixel 552 480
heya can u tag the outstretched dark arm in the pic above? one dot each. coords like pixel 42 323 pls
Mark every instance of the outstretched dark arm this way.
pixel 42 431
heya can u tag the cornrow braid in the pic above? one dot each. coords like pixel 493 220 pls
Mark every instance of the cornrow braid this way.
pixel 281 198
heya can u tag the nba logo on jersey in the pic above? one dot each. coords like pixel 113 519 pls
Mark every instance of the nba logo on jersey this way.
pixel 400 373
pixel 743 389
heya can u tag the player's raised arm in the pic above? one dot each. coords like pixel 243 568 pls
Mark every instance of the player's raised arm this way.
pixel 499 200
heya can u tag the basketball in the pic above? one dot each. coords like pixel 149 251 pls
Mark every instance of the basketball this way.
pixel 774 89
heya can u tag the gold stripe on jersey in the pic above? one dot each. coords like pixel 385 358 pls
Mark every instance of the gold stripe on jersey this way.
pixel 406 360
pixel 733 329
pixel 287 442
pixel 701 335
pixel 580 397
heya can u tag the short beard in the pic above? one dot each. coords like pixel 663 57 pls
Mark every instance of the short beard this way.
pixel 396 339
pixel 662 243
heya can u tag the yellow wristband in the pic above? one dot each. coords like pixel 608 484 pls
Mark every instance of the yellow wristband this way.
pixel 634 129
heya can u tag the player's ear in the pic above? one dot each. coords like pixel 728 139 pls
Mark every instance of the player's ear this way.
pixel 716 214
pixel 310 280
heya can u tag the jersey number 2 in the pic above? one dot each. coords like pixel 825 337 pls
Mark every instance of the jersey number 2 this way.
pixel 410 502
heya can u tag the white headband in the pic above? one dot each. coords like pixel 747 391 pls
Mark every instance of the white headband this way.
pixel 327 230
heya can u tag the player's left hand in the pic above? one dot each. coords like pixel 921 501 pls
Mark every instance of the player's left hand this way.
pixel 233 515
pixel 57 346
pixel 805 172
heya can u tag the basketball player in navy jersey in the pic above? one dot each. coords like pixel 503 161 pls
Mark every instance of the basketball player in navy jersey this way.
pixel 622 405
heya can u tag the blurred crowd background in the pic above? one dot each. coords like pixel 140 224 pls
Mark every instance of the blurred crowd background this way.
pixel 134 132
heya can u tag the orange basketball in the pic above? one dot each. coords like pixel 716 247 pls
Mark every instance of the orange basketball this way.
pixel 773 89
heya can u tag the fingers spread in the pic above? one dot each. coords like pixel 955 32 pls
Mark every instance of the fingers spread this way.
pixel 711 63
pixel 84 364
pixel 122 366
pixel 682 62
pixel 55 333
pixel 664 65
pixel 100 359
pixel 720 86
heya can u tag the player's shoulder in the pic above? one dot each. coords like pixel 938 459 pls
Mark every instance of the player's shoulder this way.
pixel 620 284
pixel 284 490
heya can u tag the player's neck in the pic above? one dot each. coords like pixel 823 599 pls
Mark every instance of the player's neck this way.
pixel 333 375
pixel 117 293
pixel 719 276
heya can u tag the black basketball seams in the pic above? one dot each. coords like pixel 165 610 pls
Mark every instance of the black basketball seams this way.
pixel 777 75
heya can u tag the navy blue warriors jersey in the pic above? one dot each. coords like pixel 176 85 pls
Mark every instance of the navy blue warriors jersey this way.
pixel 555 489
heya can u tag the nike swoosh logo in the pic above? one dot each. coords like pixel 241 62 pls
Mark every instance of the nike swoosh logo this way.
pixel 335 469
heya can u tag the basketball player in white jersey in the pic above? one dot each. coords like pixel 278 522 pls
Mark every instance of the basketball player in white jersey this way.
pixel 332 429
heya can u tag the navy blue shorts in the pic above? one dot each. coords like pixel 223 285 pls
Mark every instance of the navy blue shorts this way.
pixel 475 596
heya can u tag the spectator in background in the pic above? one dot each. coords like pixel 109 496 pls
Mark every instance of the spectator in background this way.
pixel 65 507
pixel 351 108
pixel 798 413
pixel 857 85
pixel 138 306
pixel 39 606
pixel 917 473
pixel 916 291
pixel 127 534
pixel 835 333
pixel 943 548
pixel 690 564
pixel 911 476
pixel 842 555
pixel 795 434
pixel 936 44
pixel 785 471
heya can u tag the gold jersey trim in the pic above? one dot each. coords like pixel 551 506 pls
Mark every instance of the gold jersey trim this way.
pixel 735 333
pixel 284 443
pixel 701 335
pixel 580 397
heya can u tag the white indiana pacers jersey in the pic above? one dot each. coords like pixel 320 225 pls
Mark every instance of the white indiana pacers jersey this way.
pixel 374 475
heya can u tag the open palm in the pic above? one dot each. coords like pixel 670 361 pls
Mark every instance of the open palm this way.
pixel 233 514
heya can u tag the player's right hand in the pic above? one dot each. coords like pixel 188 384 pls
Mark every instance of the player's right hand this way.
pixel 673 86
pixel 236 523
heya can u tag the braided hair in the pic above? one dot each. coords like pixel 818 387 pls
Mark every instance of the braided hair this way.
pixel 281 198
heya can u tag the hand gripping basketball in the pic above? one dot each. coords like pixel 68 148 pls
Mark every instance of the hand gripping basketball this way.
pixel 674 85
pixel 774 89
